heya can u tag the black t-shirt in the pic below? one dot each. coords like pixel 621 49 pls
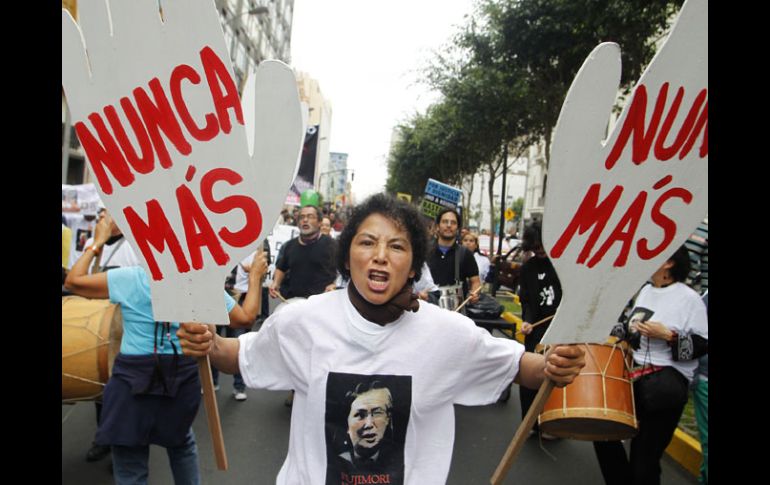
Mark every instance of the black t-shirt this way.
pixel 442 266
pixel 539 290
pixel 309 268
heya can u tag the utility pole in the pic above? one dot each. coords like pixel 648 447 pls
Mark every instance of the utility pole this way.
pixel 500 231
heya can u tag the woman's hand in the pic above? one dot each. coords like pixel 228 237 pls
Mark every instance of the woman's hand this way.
pixel 196 339
pixel 258 267
pixel 526 328
pixel 103 230
pixel 563 364
pixel 655 330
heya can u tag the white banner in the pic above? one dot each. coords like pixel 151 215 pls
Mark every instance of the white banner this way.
pixel 169 143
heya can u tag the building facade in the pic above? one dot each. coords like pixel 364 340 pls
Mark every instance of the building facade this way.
pixel 320 115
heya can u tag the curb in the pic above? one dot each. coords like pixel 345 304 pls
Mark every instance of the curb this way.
pixel 686 450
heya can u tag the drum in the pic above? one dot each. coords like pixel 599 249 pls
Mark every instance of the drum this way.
pixel 599 404
pixel 450 296
pixel 91 334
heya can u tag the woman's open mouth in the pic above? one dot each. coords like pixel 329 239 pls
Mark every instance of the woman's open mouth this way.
pixel 378 280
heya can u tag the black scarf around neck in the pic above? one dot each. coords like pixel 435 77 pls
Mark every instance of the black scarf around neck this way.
pixel 387 312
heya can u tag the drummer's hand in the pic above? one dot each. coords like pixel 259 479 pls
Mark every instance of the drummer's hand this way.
pixel 655 330
pixel 273 290
pixel 526 328
pixel 330 287
pixel 475 297
pixel 196 339
pixel 563 363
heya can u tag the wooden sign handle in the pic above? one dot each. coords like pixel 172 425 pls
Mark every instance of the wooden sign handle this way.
pixel 212 412
pixel 517 443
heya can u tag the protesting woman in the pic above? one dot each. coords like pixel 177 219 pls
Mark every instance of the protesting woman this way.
pixel 377 372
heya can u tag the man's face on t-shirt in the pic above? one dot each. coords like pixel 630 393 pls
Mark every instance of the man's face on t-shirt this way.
pixel 368 420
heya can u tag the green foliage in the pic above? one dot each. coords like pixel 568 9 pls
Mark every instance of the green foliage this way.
pixel 547 41
pixel 504 79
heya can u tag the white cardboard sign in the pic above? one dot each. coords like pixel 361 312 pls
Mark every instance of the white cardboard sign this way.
pixel 617 209
pixel 157 111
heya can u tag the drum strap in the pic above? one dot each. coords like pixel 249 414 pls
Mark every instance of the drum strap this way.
pixel 643 371
pixel 458 254
pixel 157 374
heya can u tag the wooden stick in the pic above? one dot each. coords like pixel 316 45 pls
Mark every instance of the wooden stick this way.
pixel 539 322
pixel 468 299
pixel 212 412
pixel 522 433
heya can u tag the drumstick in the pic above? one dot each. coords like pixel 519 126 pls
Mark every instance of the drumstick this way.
pixel 538 322
pixel 468 299
pixel 517 443
pixel 212 412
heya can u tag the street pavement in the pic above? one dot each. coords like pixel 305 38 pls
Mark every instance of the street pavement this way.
pixel 256 433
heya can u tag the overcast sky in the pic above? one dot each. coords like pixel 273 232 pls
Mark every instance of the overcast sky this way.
pixel 367 57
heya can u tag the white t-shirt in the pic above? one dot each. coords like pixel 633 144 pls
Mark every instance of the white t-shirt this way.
pixel 82 230
pixel 483 263
pixel 425 283
pixel 429 361
pixel 242 276
pixel 677 307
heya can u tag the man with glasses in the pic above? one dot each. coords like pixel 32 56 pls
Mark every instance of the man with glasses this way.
pixel 305 264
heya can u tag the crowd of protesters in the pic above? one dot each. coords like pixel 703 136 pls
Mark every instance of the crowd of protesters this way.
pixel 322 259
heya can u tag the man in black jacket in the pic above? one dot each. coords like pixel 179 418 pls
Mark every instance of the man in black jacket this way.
pixel 449 262
pixel 540 295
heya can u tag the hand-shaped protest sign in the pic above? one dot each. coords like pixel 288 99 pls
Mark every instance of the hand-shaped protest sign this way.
pixel 157 111
pixel 615 211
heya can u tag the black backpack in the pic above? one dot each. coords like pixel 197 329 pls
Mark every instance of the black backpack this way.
pixel 487 308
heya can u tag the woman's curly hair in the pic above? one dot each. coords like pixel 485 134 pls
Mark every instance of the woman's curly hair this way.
pixel 402 214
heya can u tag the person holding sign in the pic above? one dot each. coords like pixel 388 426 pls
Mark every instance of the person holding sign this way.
pixel 668 329
pixel 377 331
pixel 153 394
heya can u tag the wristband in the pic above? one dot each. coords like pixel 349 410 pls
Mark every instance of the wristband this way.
pixel 95 249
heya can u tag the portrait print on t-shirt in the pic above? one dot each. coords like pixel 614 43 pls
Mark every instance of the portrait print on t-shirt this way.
pixel 366 422
pixel 639 315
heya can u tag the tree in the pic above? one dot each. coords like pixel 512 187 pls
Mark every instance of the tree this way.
pixel 504 79
pixel 548 40
pixel 437 144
